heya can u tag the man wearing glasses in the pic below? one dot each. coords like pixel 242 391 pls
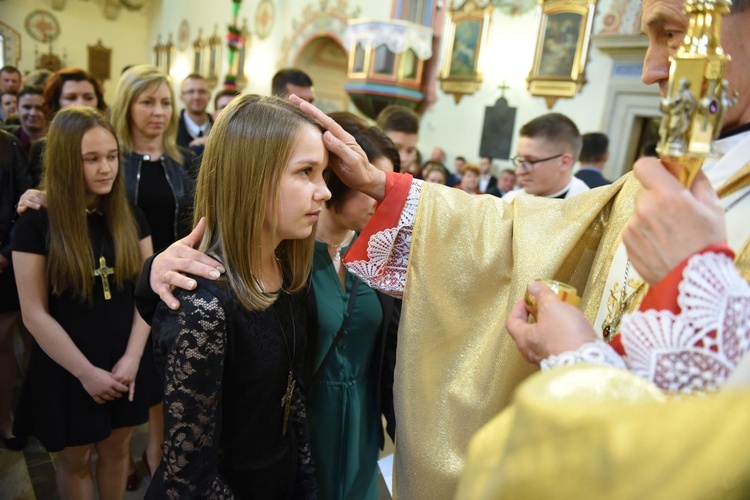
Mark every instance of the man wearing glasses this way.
pixel 195 122
pixel 548 147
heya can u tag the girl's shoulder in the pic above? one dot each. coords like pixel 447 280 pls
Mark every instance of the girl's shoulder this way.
pixel 30 231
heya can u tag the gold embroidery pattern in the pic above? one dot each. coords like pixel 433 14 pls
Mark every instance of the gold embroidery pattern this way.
pixel 619 303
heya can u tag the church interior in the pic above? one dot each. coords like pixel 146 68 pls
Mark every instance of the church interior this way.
pixel 602 92
pixel 475 71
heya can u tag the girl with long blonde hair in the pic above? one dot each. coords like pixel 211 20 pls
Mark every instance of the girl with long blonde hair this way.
pixel 76 263
pixel 235 423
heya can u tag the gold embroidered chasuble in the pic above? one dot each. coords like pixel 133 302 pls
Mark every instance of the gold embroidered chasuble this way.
pixel 458 367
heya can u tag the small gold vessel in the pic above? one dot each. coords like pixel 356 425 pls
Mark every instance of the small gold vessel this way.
pixel 566 293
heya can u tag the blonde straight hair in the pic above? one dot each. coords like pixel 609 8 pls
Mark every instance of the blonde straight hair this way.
pixel 132 84
pixel 70 263
pixel 246 154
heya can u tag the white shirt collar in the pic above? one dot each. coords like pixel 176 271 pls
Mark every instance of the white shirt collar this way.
pixel 728 155
pixel 193 128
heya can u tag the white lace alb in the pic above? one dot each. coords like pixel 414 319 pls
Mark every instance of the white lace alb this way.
pixel 388 250
pixel 695 350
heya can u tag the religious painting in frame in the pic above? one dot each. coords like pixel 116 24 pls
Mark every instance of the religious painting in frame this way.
pixel 466 37
pixel 561 49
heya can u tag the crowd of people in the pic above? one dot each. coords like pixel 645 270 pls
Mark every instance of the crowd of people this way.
pixel 317 259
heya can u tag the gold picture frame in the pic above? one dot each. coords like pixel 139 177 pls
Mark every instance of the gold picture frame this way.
pixel 562 48
pixel 466 37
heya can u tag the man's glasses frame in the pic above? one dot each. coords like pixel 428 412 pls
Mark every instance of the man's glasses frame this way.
pixel 527 165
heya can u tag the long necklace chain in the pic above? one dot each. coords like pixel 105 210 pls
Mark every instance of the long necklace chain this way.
pixel 286 400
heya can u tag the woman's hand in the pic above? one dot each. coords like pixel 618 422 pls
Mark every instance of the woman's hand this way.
pixel 670 222
pixel 559 326
pixel 101 385
pixel 181 257
pixel 125 371
pixel 350 162
pixel 33 199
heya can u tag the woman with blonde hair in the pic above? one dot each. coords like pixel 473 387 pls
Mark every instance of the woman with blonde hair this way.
pixel 77 262
pixel 159 175
pixel 159 179
pixel 233 353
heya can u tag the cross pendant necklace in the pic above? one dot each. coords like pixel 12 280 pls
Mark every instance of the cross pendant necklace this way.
pixel 104 272
pixel 622 305
pixel 286 399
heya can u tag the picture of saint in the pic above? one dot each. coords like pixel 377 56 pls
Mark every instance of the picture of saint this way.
pixel 559 46
pixel 465 43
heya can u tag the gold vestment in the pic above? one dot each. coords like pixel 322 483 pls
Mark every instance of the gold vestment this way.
pixel 457 365
pixel 589 431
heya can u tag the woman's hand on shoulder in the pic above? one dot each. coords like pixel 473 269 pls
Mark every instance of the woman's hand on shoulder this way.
pixel 33 199
pixel 169 267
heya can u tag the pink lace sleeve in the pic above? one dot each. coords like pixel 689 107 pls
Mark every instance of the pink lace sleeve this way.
pixel 388 250
pixel 698 348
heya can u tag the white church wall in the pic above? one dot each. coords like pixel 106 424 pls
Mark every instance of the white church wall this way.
pixel 82 24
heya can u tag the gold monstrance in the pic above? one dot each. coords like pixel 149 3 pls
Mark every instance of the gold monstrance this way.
pixel 697 92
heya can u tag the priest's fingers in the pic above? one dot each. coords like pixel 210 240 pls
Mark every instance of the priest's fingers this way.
pixel 328 122
pixel 560 327
pixel 668 225
pixel 353 168
pixel 705 192
pixel 654 175
pixel 520 330
pixel 350 162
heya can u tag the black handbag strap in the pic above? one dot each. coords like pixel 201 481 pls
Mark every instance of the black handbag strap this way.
pixel 339 334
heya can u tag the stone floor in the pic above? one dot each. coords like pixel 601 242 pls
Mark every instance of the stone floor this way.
pixel 30 474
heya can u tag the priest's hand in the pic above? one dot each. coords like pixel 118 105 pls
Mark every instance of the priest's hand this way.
pixel 559 326
pixel 350 162
pixel 169 267
pixel 670 222
pixel 33 199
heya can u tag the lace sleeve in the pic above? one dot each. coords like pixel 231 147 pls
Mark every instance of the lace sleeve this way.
pixel 388 250
pixel 597 353
pixel 307 484
pixel 193 341
pixel 698 348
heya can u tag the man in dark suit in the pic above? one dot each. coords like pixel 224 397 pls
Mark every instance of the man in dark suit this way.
pixel 195 122
pixel 594 154
pixel 487 181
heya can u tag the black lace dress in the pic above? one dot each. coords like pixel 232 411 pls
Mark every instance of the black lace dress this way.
pixel 225 371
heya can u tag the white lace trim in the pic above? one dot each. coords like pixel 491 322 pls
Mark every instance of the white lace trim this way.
pixel 697 349
pixel 388 250
pixel 596 352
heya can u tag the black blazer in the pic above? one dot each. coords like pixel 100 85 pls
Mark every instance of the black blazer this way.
pixel 592 178
pixel 183 136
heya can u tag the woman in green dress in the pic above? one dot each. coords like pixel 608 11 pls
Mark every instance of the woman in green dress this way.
pixel 351 339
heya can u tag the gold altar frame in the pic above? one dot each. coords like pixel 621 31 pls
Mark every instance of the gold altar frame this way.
pixel 465 36
pixel 563 38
